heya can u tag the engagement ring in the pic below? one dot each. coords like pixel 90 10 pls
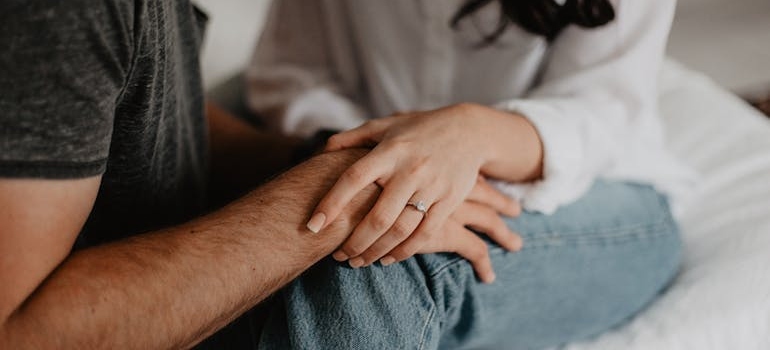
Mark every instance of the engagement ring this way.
pixel 419 206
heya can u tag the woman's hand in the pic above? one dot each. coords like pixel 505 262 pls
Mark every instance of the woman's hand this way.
pixel 430 157
pixel 457 237
pixel 480 213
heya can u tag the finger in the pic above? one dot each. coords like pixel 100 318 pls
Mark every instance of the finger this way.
pixel 429 226
pixel 367 134
pixel 468 245
pixel 484 193
pixel 400 231
pixel 484 219
pixel 381 217
pixel 472 248
pixel 362 173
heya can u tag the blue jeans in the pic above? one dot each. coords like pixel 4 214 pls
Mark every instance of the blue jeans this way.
pixel 583 270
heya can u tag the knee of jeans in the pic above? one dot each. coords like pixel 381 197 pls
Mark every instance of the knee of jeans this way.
pixel 329 279
pixel 393 301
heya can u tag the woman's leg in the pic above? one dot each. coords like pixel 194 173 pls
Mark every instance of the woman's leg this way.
pixel 583 270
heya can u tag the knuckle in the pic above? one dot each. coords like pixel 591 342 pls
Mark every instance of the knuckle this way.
pixel 496 223
pixel 396 146
pixel 416 170
pixel 485 213
pixel 334 140
pixel 353 250
pixel 379 222
pixel 408 251
pixel 490 215
pixel 500 226
pixel 464 108
pixel 399 254
pixel 370 255
pixel 421 163
pixel 342 221
pixel 451 193
pixel 400 231
pixel 355 173
pixel 478 252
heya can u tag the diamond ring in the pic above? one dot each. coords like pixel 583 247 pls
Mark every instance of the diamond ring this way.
pixel 419 206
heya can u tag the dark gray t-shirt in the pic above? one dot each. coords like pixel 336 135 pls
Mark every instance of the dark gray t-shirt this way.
pixel 106 87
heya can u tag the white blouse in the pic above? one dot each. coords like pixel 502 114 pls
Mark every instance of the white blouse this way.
pixel 591 94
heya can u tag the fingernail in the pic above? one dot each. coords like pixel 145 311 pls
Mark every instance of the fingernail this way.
pixel 316 222
pixel 387 260
pixel 340 256
pixel 519 244
pixel 356 262
pixel 491 279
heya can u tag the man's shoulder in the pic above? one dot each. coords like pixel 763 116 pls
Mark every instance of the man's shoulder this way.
pixel 69 6
pixel 64 65
pixel 70 14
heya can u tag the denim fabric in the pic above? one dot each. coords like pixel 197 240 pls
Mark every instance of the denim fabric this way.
pixel 583 270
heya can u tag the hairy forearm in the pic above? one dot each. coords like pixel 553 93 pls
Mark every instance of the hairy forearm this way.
pixel 172 288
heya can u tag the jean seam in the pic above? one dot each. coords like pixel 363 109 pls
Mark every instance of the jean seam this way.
pixel 618 230
pixel 662 205
pixel 650 230
pixel 424 332
pixel 650 233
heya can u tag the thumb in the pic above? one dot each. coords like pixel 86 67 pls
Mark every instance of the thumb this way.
pixel 366 135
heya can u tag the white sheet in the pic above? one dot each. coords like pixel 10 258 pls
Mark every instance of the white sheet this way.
pixel 721 300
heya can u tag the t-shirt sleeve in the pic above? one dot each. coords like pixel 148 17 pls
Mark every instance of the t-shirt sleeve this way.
pixel 63 66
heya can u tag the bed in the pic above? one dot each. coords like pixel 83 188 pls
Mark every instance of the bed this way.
pixel 721 298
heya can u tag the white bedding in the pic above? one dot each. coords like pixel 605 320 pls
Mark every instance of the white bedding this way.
pixel 721 299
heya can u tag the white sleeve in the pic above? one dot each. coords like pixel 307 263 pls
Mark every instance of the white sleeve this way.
pixel 597 87
pixel 293 82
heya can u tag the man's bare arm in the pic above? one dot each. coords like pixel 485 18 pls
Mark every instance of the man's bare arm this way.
pixel 171 289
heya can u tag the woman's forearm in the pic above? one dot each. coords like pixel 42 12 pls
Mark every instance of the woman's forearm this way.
pixel 513 149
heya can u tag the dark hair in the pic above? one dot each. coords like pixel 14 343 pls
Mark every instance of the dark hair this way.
pixel 541 17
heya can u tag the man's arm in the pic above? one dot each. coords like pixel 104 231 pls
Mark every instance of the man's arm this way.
pixel 171 288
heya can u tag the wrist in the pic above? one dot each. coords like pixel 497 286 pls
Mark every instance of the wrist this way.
pixel 477 124
pixel 281 208
pixel 511 148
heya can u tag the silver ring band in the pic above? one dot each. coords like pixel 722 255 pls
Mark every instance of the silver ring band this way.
pixel 419 206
